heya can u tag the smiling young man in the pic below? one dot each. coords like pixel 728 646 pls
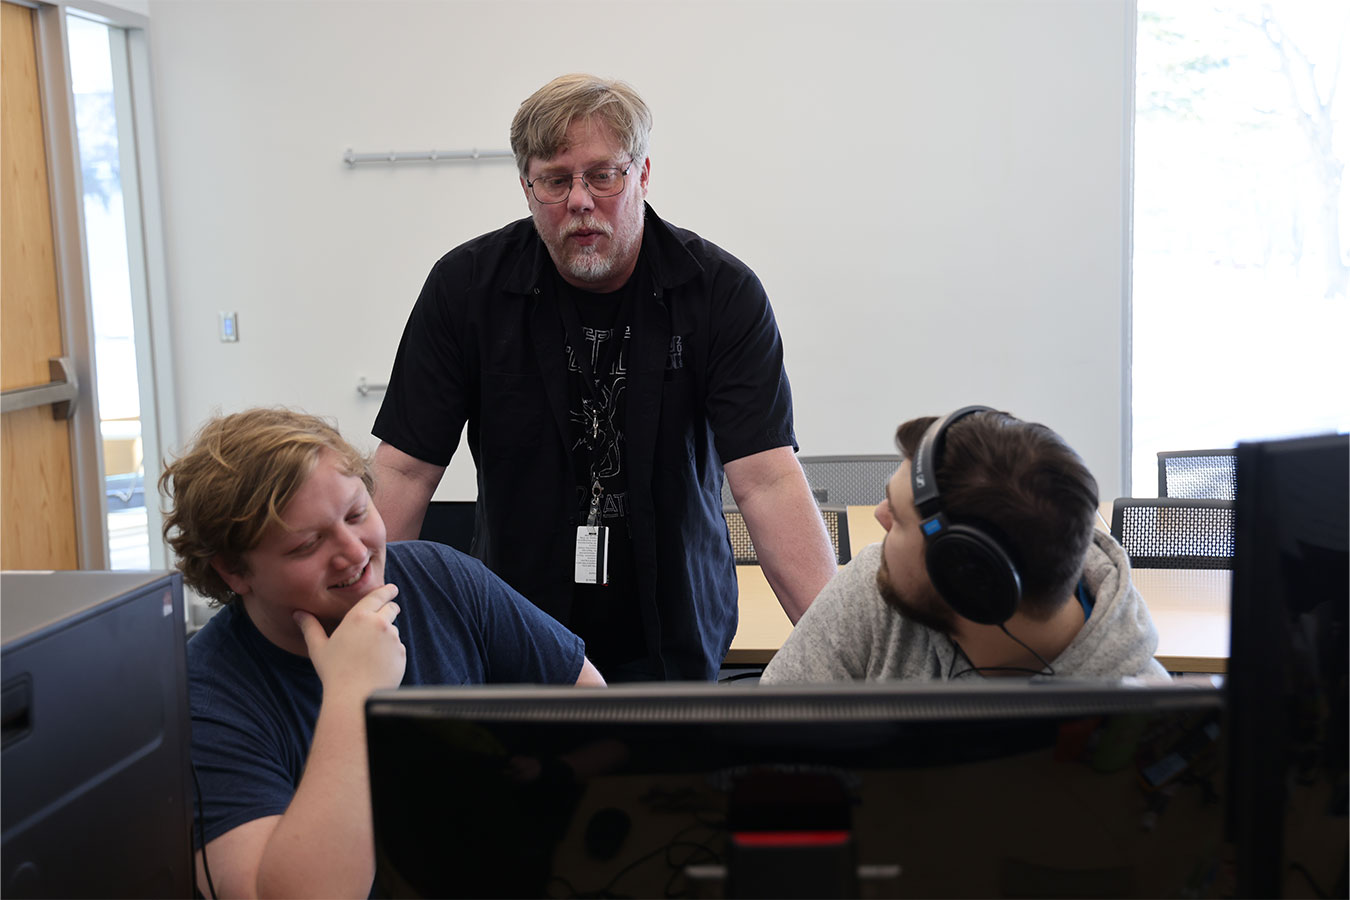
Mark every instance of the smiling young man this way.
pixel 608 366
pixel 990 566
pixel 272 515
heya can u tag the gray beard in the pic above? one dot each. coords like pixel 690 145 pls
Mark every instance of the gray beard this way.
pixel 589 266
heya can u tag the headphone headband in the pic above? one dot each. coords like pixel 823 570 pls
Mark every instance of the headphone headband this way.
pixel 923 468
pixel 969 568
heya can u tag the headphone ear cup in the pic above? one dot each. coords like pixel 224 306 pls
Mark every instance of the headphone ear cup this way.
pixel 974 575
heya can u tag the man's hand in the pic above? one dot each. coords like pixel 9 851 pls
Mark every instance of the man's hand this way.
pixel 363 654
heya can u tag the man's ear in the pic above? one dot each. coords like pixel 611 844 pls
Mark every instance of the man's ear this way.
pixel 233 577
pixel 645 175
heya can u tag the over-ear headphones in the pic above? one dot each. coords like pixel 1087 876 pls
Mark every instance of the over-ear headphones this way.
pixel 969 568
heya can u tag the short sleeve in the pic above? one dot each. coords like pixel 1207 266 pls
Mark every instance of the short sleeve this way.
pixel 525 644
pixel 471 627
pixel 749 400
pixel 427 399
pixel 242 763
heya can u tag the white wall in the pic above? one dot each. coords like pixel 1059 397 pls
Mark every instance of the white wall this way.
pixel 976 253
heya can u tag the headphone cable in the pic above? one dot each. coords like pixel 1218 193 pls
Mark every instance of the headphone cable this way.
pixel 1047 670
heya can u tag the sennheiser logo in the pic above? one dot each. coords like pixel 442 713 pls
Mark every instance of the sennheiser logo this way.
pixel 920 480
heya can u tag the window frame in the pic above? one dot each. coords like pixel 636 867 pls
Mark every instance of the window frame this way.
pixel 145 251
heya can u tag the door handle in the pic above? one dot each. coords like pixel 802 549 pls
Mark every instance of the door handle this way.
pixel 61 392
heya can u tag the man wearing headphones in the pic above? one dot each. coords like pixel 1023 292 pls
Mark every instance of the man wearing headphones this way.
pixel 990 566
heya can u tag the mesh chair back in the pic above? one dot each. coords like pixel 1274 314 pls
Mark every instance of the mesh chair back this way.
pixel 1197 474
pixel 850 480
pixel 847 480
pixel 743 549
pixel 1167 533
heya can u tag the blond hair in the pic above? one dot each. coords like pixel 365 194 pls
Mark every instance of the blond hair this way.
pixel 235 480
pixel 539 129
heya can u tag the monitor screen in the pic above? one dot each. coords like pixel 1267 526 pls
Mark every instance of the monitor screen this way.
pixel 897 789
pixel 1288 670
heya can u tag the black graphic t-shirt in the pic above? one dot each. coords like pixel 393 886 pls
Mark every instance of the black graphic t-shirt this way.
pixel 608 616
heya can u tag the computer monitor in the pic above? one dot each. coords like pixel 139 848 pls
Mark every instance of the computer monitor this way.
pixel 887 789
pixel 1288 669
pixel 94 773
pixel 450 522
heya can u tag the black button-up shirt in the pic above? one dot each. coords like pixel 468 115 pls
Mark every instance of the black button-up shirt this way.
pixel 485 345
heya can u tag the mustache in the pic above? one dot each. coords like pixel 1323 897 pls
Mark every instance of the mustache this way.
pixel 586 225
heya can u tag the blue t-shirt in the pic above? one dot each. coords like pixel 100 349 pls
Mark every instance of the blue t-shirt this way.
pixel 254 705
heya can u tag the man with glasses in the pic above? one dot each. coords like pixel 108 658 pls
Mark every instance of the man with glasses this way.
pixel 608 366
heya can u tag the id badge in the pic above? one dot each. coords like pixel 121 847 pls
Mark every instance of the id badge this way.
pixel 592 559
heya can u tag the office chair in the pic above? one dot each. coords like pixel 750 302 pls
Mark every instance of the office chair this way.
pixel 850 480
pixel 847 480
pixel 1197 474
pixel 1168 533
pixel 449 522
pixel 836 523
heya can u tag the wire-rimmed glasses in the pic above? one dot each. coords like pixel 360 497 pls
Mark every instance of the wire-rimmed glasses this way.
pixel 602 181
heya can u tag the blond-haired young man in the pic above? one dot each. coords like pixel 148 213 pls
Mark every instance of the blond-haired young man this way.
pixel 271 516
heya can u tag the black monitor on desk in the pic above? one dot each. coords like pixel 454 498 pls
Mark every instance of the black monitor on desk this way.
pixel 1288 671
pixel 994 789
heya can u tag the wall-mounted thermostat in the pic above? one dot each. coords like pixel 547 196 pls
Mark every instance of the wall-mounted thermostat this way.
pixel 229 327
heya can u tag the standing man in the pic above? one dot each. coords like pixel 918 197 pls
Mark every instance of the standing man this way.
pixel 609 365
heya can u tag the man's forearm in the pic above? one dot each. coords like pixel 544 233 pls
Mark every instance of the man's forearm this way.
pixel 403 488
pixel 794 550
pixel 323 846
pixel 785 526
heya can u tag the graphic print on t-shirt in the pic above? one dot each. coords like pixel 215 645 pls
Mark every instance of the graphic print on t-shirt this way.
pixel 597 423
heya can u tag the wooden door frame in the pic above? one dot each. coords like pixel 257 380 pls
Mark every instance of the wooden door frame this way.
pixel 63 179
pixel 73 289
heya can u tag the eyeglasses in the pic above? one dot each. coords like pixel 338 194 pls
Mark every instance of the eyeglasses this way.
pixel 602 181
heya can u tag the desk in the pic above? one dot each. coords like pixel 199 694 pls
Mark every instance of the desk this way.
pixel 1189 607
pixel 763 624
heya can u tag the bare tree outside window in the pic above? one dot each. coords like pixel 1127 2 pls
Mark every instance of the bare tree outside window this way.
pixel 1241 280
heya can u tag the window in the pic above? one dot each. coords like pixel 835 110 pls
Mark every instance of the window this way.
pixel 115 240
pixel 1241 280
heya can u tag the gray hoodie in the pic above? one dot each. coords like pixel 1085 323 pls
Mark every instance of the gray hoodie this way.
pixel 850 633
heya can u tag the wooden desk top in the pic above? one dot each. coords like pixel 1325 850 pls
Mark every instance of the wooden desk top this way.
pixel 1188 606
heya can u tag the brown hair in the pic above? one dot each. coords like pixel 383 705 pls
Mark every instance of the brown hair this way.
pixel 539 129
pixel 1024 486
pixel 236 479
